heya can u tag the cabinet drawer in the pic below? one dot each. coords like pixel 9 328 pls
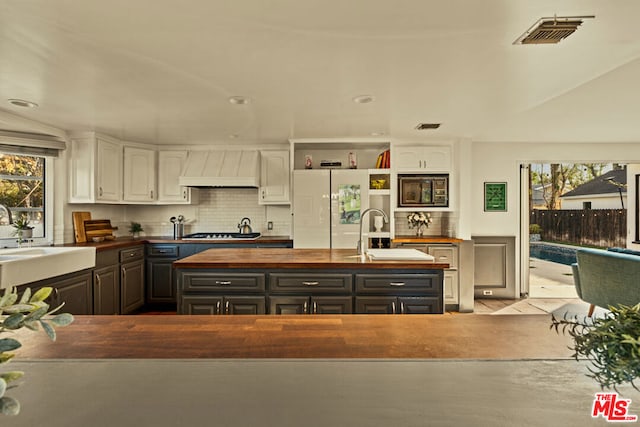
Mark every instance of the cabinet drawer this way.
pixel 131 254
pixel 310 305
pixel 224 282
pixel 310 283
pixel 212 305
pixel 397 284
pixel 400 305
pixel 168 251
pixel 445 254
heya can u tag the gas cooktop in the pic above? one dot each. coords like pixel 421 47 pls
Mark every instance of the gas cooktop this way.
pixel 222 236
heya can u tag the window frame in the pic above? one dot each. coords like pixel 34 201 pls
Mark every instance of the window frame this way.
pixel 48 209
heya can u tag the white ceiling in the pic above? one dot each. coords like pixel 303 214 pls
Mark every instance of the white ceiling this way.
pixel 162 71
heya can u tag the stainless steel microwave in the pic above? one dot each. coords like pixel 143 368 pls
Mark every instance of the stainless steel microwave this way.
pixel 423 190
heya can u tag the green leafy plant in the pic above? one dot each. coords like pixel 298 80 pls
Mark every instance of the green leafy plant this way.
pixel 611 343
pixel 535 229
pixel 31 312
pixel 135 227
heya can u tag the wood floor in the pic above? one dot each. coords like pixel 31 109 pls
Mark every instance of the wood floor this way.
pixel 446 336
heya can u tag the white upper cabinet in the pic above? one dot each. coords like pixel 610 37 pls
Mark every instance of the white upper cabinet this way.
pixel 95 169
pixel 274 178
pixel 170 164
pixel 139 174
pixel 422 158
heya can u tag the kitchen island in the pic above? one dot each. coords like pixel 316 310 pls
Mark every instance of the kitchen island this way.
pixel 305 281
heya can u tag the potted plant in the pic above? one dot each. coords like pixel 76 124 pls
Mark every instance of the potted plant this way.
pixel 23 229
pixel 611 343
pixel 135 228
pixel 534 233
pixel 31 312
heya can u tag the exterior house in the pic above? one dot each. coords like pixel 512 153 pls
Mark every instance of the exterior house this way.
pixel 537 196
pixel 607 191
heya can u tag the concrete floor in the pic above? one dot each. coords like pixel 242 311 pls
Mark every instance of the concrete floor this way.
pixel 550 280
pixel 306 393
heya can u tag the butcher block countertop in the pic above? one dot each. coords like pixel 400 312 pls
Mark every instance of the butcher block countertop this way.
pixel 125 242
pixel 294 258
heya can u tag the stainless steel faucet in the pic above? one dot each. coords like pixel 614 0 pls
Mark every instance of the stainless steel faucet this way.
pixel 384 216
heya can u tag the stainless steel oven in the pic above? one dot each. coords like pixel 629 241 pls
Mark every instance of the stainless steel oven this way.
pixel 423 190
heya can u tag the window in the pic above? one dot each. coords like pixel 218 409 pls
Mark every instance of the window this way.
pixel 586 205
pixel 22 193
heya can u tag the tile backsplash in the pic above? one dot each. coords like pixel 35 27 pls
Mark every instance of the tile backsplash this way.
pixel 444 224
pixel 220 209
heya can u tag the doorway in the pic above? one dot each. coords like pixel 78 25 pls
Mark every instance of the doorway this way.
pixel 556 199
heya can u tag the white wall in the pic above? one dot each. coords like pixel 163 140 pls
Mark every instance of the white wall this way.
pixel 500 162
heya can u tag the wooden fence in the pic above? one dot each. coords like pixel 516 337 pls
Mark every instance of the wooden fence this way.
pixel 588 227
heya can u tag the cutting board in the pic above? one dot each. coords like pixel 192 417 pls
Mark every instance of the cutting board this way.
pixel 78 225
pixel 98 228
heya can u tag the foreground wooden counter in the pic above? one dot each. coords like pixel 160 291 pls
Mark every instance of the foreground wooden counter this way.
pixel 454 336
pixel 305 281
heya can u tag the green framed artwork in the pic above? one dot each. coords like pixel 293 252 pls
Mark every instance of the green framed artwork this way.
pixel 495 196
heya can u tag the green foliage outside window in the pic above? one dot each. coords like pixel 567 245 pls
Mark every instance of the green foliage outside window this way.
pixel 22 186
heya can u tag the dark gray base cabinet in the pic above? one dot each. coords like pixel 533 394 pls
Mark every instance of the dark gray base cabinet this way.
pixel 214 305
pixel 74 290
pixel 131 286
pixel 161 283
pixel 398 305
pixel 211 291
pixel 106 290
pixel 161 287
pixel 310 305
pixel 131 279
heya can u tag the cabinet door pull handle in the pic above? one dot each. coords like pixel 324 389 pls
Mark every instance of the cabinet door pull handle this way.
pixel 393 307
pixel 397 283
pixel 305 307
pixel 98 281
pixel 162 251
pixel 226 307
pixel 401 307
pixel 311 283
pixel 263 194
pixel 100 191
pixel 217 310
pixel 132 254
pixel 315 307
pixel 223 282
pixel 184 194
pixel 151 194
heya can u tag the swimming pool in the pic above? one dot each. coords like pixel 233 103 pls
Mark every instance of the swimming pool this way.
pixel 559 254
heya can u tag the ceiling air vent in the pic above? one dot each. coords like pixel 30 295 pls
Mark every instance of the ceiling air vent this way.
pixel 551 30
pixel 425 126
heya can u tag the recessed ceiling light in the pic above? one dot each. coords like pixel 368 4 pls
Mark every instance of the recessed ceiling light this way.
pixel 364 99
pixel 233 136
pixel 22 103
pixel 239 100
pixel 377 133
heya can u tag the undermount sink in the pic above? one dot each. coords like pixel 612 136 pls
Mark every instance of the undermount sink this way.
pixel 25 265
pixel 398 255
